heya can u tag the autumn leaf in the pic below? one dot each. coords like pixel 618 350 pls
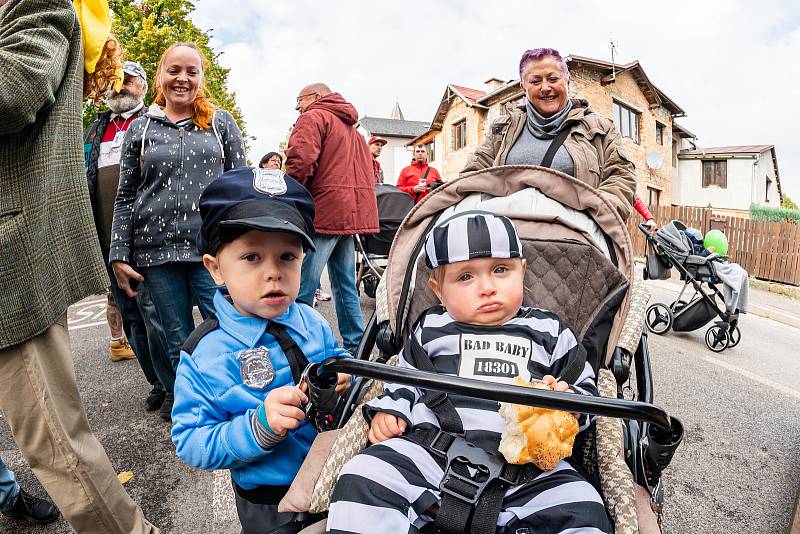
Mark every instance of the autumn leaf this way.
pixel 125 476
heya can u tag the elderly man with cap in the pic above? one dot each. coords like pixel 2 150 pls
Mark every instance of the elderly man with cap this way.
pixel 375 146
pixel 102 151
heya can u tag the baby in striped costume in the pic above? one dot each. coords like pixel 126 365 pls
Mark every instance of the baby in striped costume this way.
pixel 481 331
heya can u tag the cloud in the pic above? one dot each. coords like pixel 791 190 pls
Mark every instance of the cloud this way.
pixel 731 65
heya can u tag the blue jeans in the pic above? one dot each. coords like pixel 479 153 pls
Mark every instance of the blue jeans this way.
pixel 145 335
pixel 9 489
pixel 339 253
pixel 172 288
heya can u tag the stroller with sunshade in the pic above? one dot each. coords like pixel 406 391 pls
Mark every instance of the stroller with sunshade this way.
pixel 672 247
pixel 373 249
pixel 580 266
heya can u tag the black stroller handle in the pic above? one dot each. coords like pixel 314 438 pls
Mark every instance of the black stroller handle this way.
pixel 607 407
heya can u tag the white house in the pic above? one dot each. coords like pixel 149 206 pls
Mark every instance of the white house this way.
pixel 397 132
pixel 727 177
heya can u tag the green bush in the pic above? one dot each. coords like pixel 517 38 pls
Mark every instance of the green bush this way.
pixel 766 213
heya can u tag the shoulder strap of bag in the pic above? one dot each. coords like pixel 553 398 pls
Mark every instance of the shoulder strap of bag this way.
pixel 422 181
pixel 555 144
pixel 294 354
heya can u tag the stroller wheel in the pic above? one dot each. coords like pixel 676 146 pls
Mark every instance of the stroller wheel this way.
pixel 658 318
pixel 734 336
pixel 717 338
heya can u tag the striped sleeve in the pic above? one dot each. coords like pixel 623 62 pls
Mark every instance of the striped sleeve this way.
pixel 566 350
pixel 396 399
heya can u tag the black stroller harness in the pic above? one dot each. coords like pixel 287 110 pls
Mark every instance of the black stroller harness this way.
pixel 475 481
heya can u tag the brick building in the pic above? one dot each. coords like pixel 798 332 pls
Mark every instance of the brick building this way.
pixel 643 114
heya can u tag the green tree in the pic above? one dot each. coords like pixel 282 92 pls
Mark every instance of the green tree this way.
pixel 787 203
pixel 145 28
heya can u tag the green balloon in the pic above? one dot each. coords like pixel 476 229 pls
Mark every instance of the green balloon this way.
pixel 716 239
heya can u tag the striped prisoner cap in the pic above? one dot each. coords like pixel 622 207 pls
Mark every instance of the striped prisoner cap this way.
pixel 472 234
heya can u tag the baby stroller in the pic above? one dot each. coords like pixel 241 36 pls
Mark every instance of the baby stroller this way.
pixel 373 249
pixel 580 265
pixel 671 246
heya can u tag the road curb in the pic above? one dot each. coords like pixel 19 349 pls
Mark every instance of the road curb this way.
pixel 755 309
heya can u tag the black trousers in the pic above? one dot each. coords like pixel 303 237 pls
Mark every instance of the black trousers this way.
pixel 260 518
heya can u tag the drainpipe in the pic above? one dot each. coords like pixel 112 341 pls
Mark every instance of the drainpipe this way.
pixel 754 181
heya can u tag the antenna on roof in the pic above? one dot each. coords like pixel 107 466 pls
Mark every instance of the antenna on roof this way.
pixel 613 63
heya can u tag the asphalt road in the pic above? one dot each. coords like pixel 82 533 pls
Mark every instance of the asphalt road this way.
pixel 736 472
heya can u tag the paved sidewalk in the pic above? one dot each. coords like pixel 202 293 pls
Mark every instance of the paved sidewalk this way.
pixel 780 308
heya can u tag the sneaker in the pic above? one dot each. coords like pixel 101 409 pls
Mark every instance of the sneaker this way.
pixel 32 509
pixel 165 412
pixel 121 350
pixel 155 399
pixel 321 296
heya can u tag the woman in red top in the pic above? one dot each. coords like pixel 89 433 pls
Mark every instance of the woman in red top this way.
pixel 649 220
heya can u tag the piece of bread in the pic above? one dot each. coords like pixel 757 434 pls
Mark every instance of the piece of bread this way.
pixel 539 435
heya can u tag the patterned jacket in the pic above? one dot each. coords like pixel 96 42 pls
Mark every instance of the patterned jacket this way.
pixel 50 254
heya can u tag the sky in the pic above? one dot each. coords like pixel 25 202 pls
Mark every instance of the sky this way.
pixel 732 65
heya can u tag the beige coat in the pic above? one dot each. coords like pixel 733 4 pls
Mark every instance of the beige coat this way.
pixel 593 144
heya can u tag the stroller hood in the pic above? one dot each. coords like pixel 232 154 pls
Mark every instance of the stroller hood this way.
pixel 525 194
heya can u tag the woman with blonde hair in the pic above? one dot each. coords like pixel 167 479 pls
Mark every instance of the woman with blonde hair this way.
pixel 169 156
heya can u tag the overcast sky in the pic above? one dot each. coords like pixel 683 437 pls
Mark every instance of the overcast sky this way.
pixel 733 65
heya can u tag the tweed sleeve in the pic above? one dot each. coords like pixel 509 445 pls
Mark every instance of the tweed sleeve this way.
pixel 130 177
pixel 34 50
pixel 232 143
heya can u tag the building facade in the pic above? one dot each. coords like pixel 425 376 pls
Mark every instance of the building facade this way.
pixel 728 178
pixel 642 113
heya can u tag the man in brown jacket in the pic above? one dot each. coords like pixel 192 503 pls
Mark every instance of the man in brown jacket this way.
pixel 50 258
pixel 331 159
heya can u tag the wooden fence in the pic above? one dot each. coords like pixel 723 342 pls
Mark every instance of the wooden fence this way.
pixel 766 250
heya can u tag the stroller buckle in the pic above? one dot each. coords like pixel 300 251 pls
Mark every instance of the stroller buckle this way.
pixel 488 468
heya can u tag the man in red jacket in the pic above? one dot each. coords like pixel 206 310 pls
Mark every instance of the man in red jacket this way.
pixel 419 178
pixel 331 159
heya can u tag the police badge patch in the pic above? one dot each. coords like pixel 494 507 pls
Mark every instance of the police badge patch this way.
pixel 256 367
pixel 269 181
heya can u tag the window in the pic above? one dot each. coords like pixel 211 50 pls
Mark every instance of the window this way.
pixel 626 121
pixel 431 151
pixel 458 135
pixel 653 196
pixel 660 134
pixel 715 173
pixel 766 190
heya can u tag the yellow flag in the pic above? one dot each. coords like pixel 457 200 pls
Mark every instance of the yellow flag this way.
pixel 95 19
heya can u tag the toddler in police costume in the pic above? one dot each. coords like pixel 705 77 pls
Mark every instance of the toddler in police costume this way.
pixel 479 331
pixel 237 399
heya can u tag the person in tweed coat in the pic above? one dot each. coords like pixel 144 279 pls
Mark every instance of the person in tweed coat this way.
pixel 50 258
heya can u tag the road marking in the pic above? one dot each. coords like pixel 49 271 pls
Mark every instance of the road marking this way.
pixel 752 376
pixel 223 502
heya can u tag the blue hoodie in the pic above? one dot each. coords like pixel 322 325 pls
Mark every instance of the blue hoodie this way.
pixel 211 417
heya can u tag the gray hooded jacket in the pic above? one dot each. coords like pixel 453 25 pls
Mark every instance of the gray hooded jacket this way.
pixel 163 170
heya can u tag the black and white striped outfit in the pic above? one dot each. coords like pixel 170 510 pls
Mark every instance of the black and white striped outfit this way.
pixel 392 485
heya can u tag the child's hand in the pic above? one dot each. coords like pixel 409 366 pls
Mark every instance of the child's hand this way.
pixel 282 407
pixel 385 426
pixel 343 384
pixel 557 386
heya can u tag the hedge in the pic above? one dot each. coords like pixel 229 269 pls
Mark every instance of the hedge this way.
pixel 766 213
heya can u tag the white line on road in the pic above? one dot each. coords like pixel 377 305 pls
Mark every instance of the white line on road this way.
pixel 78 327
pixel 752 376
pixel 223 502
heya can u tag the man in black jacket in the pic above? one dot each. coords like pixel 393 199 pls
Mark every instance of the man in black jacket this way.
pixel 102 151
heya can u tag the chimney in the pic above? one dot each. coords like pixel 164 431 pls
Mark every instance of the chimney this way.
pixel 492 84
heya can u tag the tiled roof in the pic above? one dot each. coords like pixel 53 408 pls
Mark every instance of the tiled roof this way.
pixel 393 127
pixel 473 95
pixel 742 149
